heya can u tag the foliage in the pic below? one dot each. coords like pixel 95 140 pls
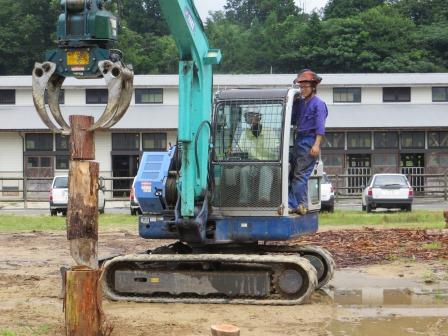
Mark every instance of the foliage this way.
pixel 255 36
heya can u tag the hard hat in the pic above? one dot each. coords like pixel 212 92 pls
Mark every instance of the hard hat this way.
pixel 308 75
pixel 250 113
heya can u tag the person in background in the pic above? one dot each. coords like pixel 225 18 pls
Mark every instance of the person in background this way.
pixel 309 115
pixel 260 144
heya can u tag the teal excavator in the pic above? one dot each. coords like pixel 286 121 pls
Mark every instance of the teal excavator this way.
pixel 225 208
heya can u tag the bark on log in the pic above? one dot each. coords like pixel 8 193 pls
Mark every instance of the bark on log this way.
pixel 83 305
pixel 82 213
pixel 225 330
pixel 82 142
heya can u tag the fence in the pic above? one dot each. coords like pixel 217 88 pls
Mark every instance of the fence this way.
pixel 36 189
pixel 424 185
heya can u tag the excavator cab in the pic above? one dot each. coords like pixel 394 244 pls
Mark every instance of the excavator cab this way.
pixel 86 32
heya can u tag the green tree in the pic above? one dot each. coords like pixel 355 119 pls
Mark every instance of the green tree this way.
pixel 26 31
pixel 346 8
pixel 243 12
pixel 423 12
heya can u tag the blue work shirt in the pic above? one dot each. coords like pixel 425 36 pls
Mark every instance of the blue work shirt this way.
pixel 309 116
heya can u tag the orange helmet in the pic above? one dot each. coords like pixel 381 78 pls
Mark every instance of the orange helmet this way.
pixel 307 75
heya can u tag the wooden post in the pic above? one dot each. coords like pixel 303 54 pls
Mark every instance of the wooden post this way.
pixel 225 330
pixel 83 305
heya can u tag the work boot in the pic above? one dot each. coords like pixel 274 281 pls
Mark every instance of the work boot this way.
pixel 301 210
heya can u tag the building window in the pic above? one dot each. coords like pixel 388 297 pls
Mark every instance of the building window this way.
pixel 62 161
pixel 125 141
pixel 386 139
pixel 61 96
pixel 7 97
pixel 154 142
pixel 332 160
pixel 359 140
pixel 413 140
pixel 96 96
pixel 396 94
pixel 334 140
pixel 386 160
pixel 62 142
pixel 440 94
pixel 437 139
pixel 347 95
pixel 38 142
pixel 149 96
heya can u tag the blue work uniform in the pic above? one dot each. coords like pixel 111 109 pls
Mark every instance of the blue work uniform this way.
pixel 309 117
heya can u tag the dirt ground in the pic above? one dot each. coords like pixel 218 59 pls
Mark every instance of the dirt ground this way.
pixel 30 286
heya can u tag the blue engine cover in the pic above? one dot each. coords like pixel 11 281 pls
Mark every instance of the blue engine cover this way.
pixel 151 180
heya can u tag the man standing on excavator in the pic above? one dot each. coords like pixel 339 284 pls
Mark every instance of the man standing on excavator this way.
pixel 309 115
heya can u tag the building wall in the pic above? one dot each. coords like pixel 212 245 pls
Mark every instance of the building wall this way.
pixel 24 97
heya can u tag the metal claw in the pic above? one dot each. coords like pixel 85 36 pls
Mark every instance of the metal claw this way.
pixel 42 73
pixel 113 75
pixel 127 78
pixel 53 89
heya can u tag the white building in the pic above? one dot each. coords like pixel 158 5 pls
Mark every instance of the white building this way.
pixel 376 123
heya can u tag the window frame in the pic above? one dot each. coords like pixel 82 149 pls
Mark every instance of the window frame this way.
pixel 446 94
pixel 114 142
pixel 439 135
pixel 349 134
pixel 327 134
pixel 99 96
pixel 12 98
pixel 346 91
pixel 413 134
pixel 395 90
pixel 397 138
pixel 163 142
pixel 39 149
pixel 154 92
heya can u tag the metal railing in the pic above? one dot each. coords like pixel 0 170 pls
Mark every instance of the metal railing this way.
pixel 36 189
pixel 424 185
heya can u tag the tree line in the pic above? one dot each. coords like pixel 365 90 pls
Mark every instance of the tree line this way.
pixel 255 36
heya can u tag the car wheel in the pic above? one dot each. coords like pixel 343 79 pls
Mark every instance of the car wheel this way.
pixel 133 212
pixel 363 207
pixel 408 208
pixel 368 208
pixel 64 213
pixel 53 212
pixel 101 211
pixel 331 208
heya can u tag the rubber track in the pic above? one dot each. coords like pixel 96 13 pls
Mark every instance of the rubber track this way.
pixel 247 259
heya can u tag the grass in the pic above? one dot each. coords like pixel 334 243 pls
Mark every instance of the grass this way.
pixel 415 219
pixel 10 223
pixel 433 246
pixel 393 219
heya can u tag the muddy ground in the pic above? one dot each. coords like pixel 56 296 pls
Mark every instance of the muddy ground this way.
pixel 30 286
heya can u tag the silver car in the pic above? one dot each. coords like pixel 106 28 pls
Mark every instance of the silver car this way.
pixel 388 191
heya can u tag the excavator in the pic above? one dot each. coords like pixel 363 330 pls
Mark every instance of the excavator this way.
pixel 223 201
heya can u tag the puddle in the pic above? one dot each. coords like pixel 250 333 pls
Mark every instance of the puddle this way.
pixel 395 326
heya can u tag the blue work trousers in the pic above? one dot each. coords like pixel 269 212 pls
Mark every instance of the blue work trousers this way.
pixel 304 164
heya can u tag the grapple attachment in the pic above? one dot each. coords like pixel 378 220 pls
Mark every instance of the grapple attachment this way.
pixel 119 81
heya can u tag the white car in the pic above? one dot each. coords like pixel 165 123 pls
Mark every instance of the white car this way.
pixel 326 194
pixel 59 196
pixel 387 191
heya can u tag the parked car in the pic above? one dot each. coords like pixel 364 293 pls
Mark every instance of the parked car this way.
pixel 59 196
pixel 387 191
pixel 134 205
pixel 326 194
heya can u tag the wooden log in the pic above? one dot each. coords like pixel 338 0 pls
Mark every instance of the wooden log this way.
pixel 83 305
pixel 82 142
pixel 82 213
pixel 225 330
